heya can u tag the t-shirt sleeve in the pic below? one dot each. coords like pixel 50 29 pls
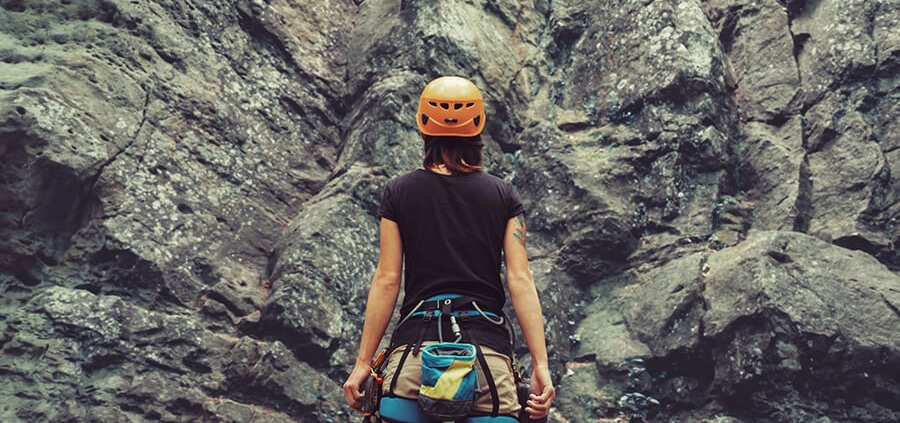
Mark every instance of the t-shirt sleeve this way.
pixel 515 207
pixel 387 209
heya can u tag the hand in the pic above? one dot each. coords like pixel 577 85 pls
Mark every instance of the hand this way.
pixel 354 385
pixel 542 394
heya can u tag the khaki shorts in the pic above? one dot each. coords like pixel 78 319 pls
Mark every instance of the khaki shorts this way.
pixel 501 369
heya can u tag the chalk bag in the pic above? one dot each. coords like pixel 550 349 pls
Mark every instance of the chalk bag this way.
pixel 449 380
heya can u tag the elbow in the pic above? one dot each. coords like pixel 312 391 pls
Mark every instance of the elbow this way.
pixel 386 279
pixel 517 280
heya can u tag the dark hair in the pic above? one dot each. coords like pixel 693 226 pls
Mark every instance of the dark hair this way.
pixel 458 154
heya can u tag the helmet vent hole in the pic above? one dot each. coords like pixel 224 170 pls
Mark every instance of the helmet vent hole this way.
pixel 432 104
pixel 424 119
pixel 470 105
pixel 477 121
pixel 457 106
pixel 445 106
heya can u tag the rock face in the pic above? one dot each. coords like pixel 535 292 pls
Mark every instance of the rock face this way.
pixel 189 195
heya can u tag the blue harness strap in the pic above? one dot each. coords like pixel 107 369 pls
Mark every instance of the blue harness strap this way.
pixel 402 410
pixel 459 313
pixel 489 419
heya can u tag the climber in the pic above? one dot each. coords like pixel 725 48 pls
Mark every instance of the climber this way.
pixel 449 225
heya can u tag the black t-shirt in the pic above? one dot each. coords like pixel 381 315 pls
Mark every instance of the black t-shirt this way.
pixel 452 231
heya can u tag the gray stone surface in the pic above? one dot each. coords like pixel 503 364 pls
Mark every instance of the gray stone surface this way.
pixel 189 195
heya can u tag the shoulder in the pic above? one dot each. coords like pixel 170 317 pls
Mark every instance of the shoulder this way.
pixel 493 180
pixel 507 191
pixel 483 176
pixel 406 178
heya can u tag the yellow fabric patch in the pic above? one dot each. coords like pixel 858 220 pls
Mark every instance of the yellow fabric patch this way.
pixel 448 384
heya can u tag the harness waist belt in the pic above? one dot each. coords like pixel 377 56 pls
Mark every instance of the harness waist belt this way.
pixel 460 313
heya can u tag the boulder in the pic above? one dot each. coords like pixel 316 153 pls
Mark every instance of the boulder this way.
pixel 189 198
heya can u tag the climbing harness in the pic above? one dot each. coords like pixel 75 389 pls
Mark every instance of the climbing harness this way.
pixel 382 406
pixel 449 381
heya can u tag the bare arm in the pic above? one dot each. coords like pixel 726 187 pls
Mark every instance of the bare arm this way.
pixel 527 305
pixel 379 308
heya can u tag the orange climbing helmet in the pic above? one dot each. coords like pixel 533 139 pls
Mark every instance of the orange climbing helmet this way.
pixel 451 106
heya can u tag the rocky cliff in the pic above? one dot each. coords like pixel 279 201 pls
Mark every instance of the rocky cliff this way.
pixel 189 193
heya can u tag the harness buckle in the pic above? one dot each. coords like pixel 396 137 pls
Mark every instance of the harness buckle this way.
pixel 447 307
